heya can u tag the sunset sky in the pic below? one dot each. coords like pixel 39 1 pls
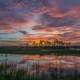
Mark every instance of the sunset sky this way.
pixel 22 20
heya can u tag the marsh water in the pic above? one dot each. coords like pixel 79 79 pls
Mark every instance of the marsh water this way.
pixel 61 61
pixel 47 67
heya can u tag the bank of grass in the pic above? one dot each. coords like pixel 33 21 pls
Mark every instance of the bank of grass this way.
pixel 42 51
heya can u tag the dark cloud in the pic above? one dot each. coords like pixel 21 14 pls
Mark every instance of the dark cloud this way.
pixel 57 22
pixel 66 4
pixel 23 32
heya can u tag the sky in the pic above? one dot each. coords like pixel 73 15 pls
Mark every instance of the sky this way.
pixel 22 20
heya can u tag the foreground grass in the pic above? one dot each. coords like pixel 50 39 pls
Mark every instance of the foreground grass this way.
pixel 8 72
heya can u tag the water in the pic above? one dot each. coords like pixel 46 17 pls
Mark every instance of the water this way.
pixel 10 57
pixel 47 67
pixel 55 61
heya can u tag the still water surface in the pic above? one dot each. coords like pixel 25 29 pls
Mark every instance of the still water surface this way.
pixel 23 60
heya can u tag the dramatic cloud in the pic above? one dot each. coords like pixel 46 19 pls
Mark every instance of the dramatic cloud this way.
pixel 40 19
